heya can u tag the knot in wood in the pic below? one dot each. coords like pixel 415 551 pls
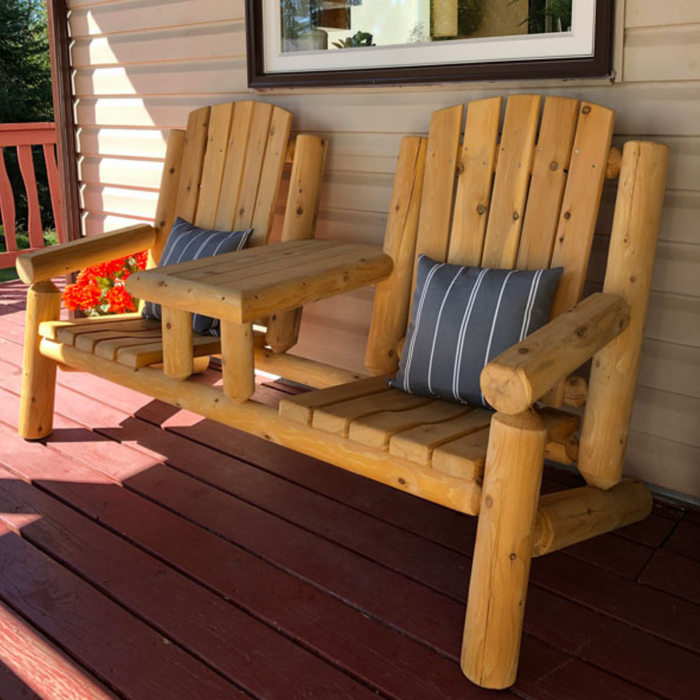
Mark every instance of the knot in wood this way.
pixel 480 209
pixel 512 556
pixel 553 165
pixel 402 481
pixel 567 215
pixel 300 211
pixel 488 501
pixel 524 351
pixel 581 331
pixel 516 216
pixel 586 110
pixel 460 169
pixel 171 171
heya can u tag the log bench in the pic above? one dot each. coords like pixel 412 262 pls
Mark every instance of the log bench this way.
pixel 513 188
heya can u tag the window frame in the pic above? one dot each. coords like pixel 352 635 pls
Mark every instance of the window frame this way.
pixel 600 64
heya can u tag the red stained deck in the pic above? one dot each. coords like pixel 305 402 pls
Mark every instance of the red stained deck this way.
pixel 148 554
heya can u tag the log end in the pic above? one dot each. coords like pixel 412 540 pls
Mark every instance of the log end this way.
pixel 506 388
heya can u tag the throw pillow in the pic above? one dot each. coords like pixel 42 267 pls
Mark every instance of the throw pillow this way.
pixel 464 317
pixel 187 242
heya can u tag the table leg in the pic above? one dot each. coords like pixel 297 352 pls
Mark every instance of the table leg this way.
pixel 178 359
pixel 238 360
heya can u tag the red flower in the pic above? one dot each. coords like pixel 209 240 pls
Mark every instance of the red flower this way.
pixel 120 300
pixel 100 286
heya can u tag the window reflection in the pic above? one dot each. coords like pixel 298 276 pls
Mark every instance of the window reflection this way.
pixel 314 25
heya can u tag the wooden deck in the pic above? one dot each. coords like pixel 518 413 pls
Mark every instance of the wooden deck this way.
pixel 148 554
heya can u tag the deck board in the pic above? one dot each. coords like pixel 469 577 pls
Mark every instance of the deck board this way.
pixel 337 586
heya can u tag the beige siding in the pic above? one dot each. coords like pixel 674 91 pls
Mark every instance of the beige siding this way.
pixel 141 66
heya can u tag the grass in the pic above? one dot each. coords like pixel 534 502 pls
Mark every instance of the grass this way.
pixel 9 273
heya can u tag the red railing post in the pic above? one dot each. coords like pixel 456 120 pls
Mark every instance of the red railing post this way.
pixel 22 137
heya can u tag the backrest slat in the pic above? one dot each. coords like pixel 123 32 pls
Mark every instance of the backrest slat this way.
pixel 257 143
pixel 438 191
pixel 549 173
pixel 233 168
pixel 167 197
pixel 478 158
pixel 579 211
pixel 214 161
pixel 392 299
pixel 275 152
pixel 192 163
pixel 511 182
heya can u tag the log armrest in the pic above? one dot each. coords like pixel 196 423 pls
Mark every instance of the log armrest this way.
pixel 521 375
pixel 69 257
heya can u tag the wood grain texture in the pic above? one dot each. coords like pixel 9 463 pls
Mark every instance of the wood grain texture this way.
pixel 38 373
pixel 474 181
pixel 629 271
pixel 515 156
pixel 549 173
pixel 392 299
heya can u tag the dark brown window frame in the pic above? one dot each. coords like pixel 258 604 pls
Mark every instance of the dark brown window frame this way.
pixel 598 65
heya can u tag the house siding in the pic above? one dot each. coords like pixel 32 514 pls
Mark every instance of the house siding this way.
pixel 142 65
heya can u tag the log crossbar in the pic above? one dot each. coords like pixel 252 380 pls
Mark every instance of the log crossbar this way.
pixel 562 519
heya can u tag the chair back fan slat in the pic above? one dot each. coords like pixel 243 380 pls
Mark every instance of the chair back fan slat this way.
pixel 271 174
pixel 192 163
pixel 579 210
pixel 393 296
pixel 255 154
pixel 167 197
pixel 439 186
pixel 213 167
pixel 515 155
pixel 549 173
pixel 233 168
pixel 529 201
pixel 474 181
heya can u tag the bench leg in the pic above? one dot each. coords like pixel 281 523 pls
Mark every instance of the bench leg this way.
pixel 38 372
pixel 504 539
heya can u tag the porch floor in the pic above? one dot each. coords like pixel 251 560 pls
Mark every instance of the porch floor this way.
pixel 146 553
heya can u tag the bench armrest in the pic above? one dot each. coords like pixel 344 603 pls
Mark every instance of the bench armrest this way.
pixel 68 257
pixel 521 375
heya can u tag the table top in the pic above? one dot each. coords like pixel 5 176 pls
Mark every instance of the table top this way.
pixel 250 284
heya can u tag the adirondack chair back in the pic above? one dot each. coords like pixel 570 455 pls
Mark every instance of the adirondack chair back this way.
pixel 224 171
pixel 528 200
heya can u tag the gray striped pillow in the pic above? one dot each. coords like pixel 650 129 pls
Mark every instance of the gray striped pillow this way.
pixel 464 317
pixel 187 242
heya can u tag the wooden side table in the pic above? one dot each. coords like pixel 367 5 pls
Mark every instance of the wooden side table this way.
pixel 241 287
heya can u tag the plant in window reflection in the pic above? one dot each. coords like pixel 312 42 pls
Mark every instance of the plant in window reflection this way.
pixel 547 15
pixel 299 25
pixel 470 14
pixel 358 39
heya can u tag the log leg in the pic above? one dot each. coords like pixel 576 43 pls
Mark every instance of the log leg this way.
pixel 38 372
pixel 501 566
pixel 237 360
pixel 178 361
pixel 630 265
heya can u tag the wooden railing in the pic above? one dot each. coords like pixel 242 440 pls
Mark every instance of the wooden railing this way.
pixel 23 137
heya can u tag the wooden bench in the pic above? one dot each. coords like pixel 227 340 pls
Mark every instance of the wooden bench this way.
pixel 514 189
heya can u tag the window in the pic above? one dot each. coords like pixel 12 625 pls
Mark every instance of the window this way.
pixel 332 42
